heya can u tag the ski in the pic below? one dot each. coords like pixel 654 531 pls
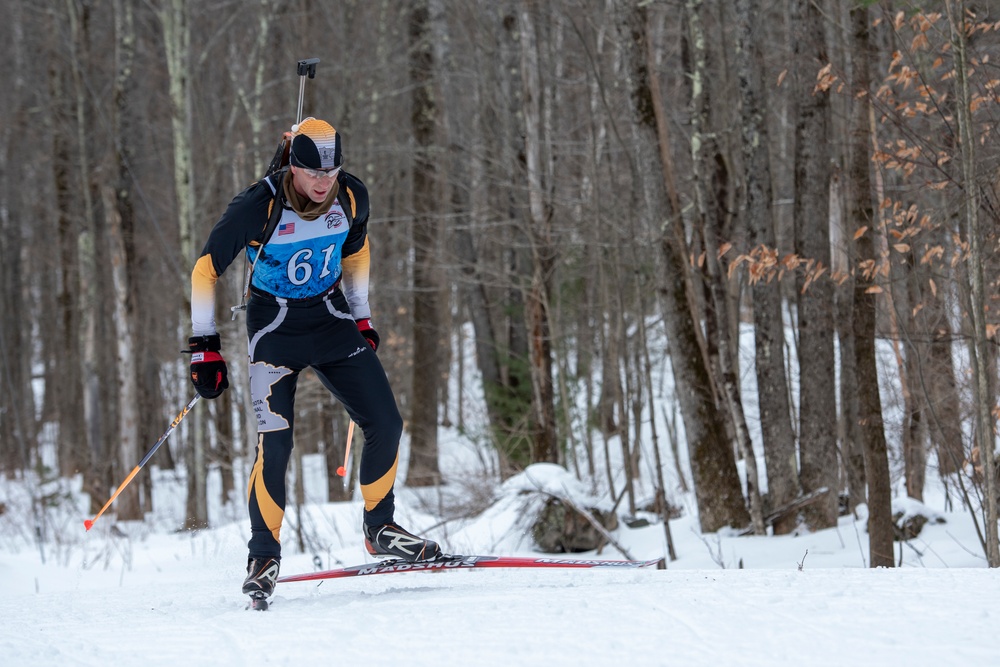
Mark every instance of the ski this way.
pixel 258 603
pixel 456 562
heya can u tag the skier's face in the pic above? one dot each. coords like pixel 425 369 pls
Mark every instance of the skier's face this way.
pixel 314 183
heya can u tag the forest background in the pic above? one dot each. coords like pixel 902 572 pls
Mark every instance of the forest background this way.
pixel 566 180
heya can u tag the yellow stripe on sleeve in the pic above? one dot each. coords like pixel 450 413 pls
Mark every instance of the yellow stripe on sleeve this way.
pixel 359 263
pixel 354 204
pixel 203 279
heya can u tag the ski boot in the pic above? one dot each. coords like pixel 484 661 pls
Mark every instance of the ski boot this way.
pixel 391 541
pixel 262 574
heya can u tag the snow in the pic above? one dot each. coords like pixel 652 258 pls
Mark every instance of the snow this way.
pixel 145 594
pixel 568 617
pixel 133 594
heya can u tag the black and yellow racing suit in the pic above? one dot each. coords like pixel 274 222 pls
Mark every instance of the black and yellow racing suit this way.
pixel 309 285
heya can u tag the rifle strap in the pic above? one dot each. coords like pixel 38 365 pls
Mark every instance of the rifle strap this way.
pixel 273 218
pixel 277 207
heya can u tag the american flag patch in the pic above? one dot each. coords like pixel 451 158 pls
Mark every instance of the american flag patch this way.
pixel 286 228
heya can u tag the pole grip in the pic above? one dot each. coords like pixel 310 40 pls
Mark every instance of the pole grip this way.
pixel 308 67
pixel 304 68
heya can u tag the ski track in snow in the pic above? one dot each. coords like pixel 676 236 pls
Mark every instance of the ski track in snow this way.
pixel 814 617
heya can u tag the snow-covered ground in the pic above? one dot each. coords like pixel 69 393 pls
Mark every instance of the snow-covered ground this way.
pixel 145 594
pixel 161 598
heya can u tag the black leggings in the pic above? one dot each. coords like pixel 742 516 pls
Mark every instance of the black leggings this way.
pixel 285 337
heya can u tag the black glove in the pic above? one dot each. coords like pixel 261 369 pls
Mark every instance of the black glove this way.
pixel 365 327
pixel 208 369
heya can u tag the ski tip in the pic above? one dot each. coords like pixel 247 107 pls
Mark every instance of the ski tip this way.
pixel 88 524
pixel 341 471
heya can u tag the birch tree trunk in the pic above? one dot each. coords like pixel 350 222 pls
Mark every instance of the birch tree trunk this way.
pixel 128 505
pixel 174 17
pixel 518 395
pixel 979 349
pixel 121 219
pixel 98 360
pixel 544 446
pixel 255 96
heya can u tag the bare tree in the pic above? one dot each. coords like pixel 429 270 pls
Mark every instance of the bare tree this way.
pixel 429 336
pixel 769 332
pixel 67 390
pixel 98 360
pixel 817 407
pixel 865 230
pixel 17 406
pixel 174 17
pixel 717 487
pixel 121 218
pixel 712 188
pixel 477 271
pixel 918 140
pixel 574 164
pixel 544 446
pixel 985 398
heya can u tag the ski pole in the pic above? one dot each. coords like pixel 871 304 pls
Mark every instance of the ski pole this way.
pixel 305 67
pixel 342 470
pixel 88 523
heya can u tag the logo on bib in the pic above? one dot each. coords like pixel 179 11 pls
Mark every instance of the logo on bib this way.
pixel 334 220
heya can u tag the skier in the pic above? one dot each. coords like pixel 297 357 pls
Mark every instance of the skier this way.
pixel 308 306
